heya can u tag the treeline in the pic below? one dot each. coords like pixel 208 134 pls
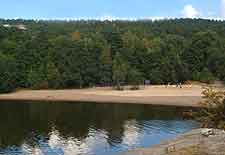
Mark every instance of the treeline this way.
pixel 77 54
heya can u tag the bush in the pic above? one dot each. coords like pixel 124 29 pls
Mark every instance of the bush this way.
pixel 6 87
pixel 213 113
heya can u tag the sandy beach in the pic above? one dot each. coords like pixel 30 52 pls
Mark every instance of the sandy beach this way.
pixel 154 95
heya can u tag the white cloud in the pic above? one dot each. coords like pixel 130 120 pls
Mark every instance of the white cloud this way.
pixel 223 9
pixel 110 18
pixel 113 18
pixel 190 12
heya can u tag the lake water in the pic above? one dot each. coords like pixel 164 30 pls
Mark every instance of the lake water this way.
pixel 85 128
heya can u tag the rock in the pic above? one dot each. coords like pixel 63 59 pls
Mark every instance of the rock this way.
pixel 171 149
pixel 207 132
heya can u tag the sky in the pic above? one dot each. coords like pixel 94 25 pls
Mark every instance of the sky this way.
pixel 112 9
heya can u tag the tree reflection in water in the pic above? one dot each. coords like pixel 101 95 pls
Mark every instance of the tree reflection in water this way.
pixel 74 128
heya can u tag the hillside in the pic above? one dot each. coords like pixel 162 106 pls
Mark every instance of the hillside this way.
pixel 71 54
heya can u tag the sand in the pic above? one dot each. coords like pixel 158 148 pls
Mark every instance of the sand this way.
pixel 154 95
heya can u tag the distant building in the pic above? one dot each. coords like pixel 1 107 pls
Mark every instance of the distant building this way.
pixel 19 26
pixel 6 25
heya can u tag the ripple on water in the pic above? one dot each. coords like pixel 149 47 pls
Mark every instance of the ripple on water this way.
pixel 74 129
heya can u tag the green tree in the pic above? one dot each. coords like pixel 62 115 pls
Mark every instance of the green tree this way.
pixel 198 52
pixel 106 66
pixel 53 75
pixel 114 39
pixel 120 70
pixel 135 78
pixel 36 78
pixel 216 63
pixel 7 73
pixel 206 76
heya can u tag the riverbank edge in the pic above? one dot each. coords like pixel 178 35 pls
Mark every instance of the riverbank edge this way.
pixel 153 102
pixel 189 97
pixel 202 141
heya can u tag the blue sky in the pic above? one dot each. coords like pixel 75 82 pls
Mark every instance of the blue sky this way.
pixel 111 9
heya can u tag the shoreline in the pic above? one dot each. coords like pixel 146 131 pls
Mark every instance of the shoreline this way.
pixel 152 95
pixel 198 141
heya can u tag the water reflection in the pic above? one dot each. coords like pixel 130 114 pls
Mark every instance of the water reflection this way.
pixel 70 129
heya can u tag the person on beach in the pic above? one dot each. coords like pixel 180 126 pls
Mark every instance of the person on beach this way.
pixel 180 85
pixel 168 84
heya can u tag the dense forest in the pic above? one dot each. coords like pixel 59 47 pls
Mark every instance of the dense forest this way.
pixel 78 54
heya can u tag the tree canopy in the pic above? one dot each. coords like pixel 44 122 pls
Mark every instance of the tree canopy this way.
pixel 77 54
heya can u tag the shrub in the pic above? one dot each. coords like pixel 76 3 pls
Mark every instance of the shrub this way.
pixel 213 113
pixel 206 76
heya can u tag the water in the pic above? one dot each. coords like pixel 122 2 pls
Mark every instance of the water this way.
pixel 85 128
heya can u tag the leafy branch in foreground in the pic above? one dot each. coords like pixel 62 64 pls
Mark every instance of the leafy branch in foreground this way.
pixel 213 113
